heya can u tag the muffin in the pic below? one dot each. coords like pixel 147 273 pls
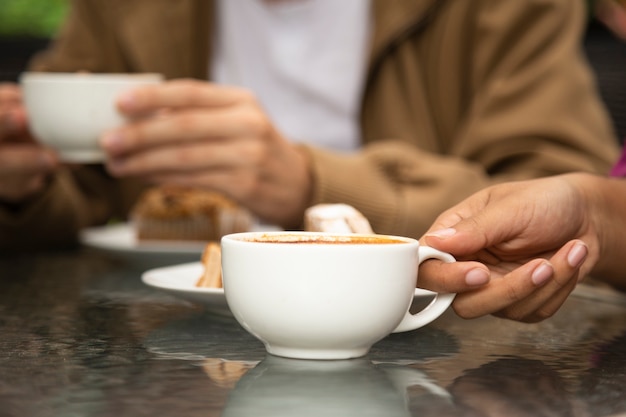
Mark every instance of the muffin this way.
pixel 187 214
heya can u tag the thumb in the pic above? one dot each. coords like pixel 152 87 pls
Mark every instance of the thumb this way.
pixel 457 240
pixel 470 235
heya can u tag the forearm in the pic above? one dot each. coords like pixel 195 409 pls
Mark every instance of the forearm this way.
pixel 400 189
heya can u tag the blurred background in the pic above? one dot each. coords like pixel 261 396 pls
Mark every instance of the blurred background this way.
pixel 27 26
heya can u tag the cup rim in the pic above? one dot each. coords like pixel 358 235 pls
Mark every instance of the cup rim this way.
pixel 79 77
pixel 245 238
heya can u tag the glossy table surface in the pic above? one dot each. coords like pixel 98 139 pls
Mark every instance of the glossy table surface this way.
pixel 82 335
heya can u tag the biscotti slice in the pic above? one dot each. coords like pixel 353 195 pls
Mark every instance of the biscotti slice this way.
pixel 212 262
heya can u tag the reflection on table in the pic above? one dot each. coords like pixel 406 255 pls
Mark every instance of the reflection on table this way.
pixel 83 336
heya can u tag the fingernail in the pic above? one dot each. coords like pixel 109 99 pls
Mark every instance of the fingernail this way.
pixel 477 277
pixel 442 233
pixel 542 274
pixel 112 141
pixel 577 255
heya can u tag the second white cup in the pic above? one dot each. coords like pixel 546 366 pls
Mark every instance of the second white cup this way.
pixel 70 111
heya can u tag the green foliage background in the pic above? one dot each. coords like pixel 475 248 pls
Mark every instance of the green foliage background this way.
pixel 31 18
pixel 40 18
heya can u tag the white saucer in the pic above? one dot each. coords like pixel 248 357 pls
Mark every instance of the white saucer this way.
pixel 180 280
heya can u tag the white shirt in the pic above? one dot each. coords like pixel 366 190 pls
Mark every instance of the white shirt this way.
pixel 304 59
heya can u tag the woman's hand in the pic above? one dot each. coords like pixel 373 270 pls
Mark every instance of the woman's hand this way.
pixel 211 136
pixel 535 237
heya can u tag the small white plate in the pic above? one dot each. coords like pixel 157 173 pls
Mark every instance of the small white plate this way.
pixel 121 238
pixel 180 280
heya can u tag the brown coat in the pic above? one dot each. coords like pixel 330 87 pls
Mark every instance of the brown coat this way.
pixel 459 95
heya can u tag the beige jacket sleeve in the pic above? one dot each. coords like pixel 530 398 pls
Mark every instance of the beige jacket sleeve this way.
pixel 491 91
pixel 76 197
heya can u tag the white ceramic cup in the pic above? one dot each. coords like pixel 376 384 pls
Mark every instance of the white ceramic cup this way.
pixel 70 111
pixel 311 295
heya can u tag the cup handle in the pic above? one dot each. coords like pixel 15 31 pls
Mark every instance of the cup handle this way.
pixel 437 306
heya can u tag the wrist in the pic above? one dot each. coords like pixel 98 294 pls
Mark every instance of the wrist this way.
pixel 605 205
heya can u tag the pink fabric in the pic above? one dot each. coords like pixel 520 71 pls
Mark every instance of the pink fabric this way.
pixel 619 170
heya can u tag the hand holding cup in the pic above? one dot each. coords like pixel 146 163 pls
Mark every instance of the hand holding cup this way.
pixel 69 112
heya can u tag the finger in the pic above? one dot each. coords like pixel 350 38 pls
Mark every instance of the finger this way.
pixel 546 310
pixel 484 228
pixel 455 277
pixel 13 126
pixel 493 216
pixel 454 215
pixel 545 302
pixel 10 102
pixel 499 294
pixel 187 158
pixel 465 217
pixel 179 94
pixel 10 94
pixel 187 126
pixel 540 305
pixel 8 125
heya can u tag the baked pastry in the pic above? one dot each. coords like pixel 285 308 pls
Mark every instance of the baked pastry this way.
pixel 182 213
pixel 335 218
pixel 212 263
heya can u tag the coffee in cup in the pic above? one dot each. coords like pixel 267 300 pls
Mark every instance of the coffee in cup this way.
pixel 313 295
